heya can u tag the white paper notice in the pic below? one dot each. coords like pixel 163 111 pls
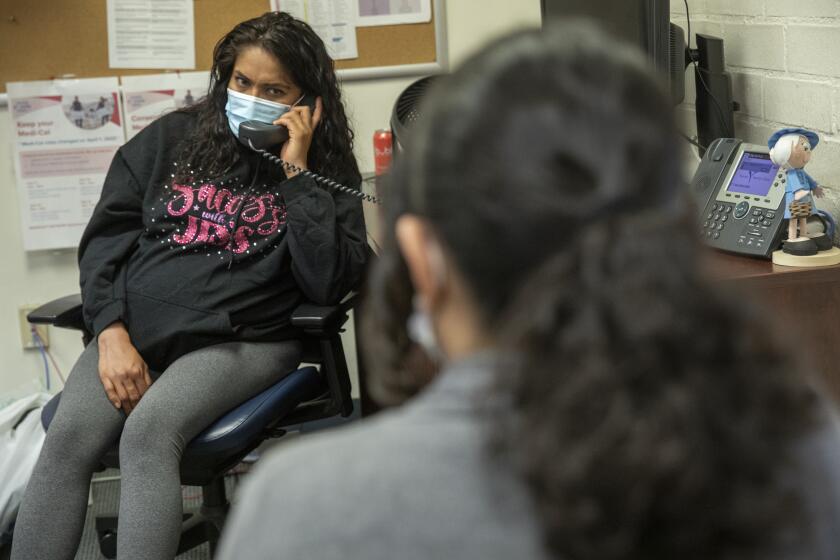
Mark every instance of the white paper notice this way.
pixel 145 98
pixel 393 12
pixel 151 34
pixel 64 135
pixel 332 20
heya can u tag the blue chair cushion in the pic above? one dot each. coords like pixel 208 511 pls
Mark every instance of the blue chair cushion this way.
pixel 246 422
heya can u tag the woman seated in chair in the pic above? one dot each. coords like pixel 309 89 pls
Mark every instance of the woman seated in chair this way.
pixel 191 265
pixel 598 398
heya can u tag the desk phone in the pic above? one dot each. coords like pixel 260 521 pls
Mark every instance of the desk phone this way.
pixel 740 196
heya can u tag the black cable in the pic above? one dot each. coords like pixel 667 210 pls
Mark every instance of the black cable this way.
pixel 318 178
pixel 691 140
pixel 699 73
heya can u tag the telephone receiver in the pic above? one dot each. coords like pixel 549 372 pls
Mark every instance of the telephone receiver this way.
pixel 261 137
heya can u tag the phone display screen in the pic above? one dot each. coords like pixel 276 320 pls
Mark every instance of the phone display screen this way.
pixel 754 175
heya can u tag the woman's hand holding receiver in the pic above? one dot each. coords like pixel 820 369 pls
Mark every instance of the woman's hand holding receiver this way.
pixel 301 122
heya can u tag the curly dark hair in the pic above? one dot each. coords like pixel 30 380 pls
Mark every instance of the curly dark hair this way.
pixel 651 415
pixel 211 146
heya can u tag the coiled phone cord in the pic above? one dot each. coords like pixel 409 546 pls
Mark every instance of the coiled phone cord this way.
pixel 318 178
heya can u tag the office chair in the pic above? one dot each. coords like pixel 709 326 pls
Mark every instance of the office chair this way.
pixel 306 394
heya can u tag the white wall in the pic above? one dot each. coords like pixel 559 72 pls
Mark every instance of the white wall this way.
pixel 27 278
pixel 41 276
pixel 470 24
pixel 784 58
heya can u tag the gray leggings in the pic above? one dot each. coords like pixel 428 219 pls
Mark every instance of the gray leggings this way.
pixel 193 392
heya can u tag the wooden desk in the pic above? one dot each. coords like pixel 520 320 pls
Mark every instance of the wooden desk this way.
pixel 805 300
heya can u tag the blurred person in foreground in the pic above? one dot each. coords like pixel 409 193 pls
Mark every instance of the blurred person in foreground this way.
pixel 598 398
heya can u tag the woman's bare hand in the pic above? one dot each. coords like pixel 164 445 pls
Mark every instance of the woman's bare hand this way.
pixel 301 122
pixel 123 372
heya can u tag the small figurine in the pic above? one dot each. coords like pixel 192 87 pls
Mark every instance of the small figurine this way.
pixel 790 149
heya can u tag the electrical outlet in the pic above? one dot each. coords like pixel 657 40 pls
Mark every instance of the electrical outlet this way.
pixel 26 337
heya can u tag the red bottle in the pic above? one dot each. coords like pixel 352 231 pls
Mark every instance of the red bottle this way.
pixel 382 151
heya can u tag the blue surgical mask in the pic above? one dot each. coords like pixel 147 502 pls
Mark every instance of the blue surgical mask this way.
pixel 241 107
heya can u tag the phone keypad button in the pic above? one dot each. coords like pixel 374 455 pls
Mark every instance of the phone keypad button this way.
pixel 716 220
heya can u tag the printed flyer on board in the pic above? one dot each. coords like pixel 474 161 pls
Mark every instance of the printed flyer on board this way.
pixel 64 135
pixel 151 96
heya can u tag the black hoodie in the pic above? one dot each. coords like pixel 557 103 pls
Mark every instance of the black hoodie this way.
pixel 185 266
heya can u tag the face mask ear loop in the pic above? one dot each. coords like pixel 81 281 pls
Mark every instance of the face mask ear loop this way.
pixel 438 266
pixel 419 326
pixel 420 330
pixel 437 261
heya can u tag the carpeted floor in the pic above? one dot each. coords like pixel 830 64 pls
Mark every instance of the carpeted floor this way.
pixel 106 499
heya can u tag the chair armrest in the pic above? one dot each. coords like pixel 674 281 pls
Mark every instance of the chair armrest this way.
pixel 321 327
pixel 320 319
pixel 64 312
pixel 311 317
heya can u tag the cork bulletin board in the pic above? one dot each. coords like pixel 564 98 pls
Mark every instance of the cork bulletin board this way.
pixel 41 40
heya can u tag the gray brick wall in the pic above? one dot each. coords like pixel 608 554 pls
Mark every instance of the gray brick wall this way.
pixel 784 58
